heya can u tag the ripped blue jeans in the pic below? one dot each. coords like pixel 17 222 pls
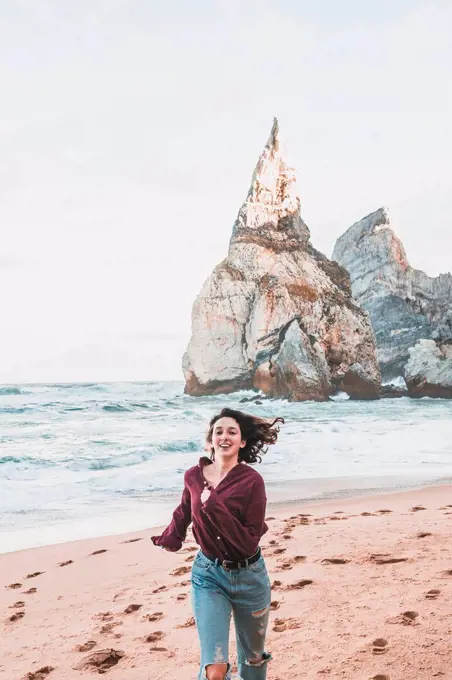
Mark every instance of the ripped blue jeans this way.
pixel 244 593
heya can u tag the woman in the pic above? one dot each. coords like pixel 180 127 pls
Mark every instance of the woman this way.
pixel 225 499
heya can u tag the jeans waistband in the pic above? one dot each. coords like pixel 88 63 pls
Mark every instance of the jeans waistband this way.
pixel 229 565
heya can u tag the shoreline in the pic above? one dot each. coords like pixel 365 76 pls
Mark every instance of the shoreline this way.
pixel 344 572
pixel 280 495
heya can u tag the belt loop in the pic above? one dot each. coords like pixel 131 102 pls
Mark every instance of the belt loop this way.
pixel 246 563
pixel 217 562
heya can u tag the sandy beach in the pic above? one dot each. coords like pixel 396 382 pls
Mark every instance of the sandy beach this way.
pixel 362 588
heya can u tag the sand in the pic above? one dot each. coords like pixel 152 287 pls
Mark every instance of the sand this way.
pixel 362 589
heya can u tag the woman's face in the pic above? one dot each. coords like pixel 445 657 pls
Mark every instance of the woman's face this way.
pixel 227 439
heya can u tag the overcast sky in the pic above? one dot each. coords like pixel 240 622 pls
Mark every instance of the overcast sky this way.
pixel 129 130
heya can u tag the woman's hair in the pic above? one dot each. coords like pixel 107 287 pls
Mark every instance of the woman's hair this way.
pixel 257 432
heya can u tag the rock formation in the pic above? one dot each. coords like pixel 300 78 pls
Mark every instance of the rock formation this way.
pixel 277 315
pixel 404 304
pixel 428 372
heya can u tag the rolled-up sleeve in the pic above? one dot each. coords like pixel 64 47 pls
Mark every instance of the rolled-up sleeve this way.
pixel 176 532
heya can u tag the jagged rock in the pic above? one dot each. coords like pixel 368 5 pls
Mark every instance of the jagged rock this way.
pixel 276 315
pixel 404 304
pixel 392 392
pixel 428 372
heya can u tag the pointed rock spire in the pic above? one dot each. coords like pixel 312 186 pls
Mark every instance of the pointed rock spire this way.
pixel 272 207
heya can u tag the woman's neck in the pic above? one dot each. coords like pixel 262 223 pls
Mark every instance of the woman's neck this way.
pixel 224 466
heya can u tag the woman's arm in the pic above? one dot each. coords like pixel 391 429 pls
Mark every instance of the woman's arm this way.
pixel 174 535
pixel 244 536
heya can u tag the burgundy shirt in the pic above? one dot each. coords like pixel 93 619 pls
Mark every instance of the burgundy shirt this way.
pixel 230 524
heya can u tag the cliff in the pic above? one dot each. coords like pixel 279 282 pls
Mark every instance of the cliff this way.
pixel 404 304
pixel 276 314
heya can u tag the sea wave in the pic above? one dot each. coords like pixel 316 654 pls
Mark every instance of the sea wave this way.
pixel 14 409
pixel 27 460
pixel 181 446
pixel 10 390
pixel 116 408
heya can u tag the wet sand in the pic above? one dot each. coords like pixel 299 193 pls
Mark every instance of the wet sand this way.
pixel 362 588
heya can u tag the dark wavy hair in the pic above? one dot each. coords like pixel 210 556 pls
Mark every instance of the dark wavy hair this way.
pixel 257 432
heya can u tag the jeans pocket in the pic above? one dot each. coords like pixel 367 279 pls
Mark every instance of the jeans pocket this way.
pixel 258 566
pixel 201 562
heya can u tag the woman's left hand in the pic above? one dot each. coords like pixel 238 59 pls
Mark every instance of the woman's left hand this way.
pixel 205 495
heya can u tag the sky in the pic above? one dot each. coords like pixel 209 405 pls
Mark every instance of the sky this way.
pixel 129 130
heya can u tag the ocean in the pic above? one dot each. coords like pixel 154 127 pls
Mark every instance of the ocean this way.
pixel 83 460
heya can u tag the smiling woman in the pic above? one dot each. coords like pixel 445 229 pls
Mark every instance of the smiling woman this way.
pixel 225 499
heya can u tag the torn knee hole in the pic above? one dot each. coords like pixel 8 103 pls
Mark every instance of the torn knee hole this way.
pixel 259 659
pixel 260 613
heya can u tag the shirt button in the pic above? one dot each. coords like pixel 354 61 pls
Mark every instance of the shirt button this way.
pixel 218 538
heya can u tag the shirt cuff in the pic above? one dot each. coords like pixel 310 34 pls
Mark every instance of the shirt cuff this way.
pixel 168 542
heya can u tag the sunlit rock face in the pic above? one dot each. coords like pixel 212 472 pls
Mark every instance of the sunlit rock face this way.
pixel 277 315
pixel 428 371
pixel 404 304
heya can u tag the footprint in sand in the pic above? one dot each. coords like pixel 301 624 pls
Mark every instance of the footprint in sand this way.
pixel 34 574
pixel 447 573
pixel 272 542
pixel 30 591
pixel 285 566
pixel 385 511
pixel 433 594
pixel 380 677
pixel 108 627
pixel 190 558
pixel 379 646
pixel 180 570
pixel 276 584
pixel 274 604
pixel 182 584
pixel 188 623
pixel 279 551
pixel 423 534
pixel 14 586
pixel 39 674
pixel 367 514
pixel 65 564
pixel 298 585
pixel 17 605
pixel 416 508
pixel 290 562
pixel 156 616
pixel 269 519
pixel 156 636
pixel 16 617
pixel 104 616
pixel 409 617
pixel 132 608
pixel 160 589
pixel 182 596
pixel 280 625
pixel 102 660
pixel 334 560
pixel 98 552
pixel 132 540
pixel 86 646
pixel 386 558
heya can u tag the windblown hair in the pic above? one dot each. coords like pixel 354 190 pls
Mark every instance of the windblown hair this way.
pixel 257 432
